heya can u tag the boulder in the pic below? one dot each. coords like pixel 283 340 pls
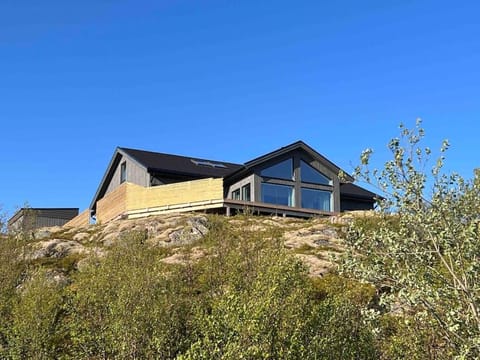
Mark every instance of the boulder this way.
pixel 196 228
pixel 81 236
pixel 56 248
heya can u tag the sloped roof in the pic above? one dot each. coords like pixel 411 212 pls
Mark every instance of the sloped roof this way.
pixel 58 213
pixel 155 162
pixel 355 191
pixel 185 165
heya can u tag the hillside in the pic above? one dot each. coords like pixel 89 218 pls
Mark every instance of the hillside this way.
pixel 182 287
pixel 315 241
pixel 192 286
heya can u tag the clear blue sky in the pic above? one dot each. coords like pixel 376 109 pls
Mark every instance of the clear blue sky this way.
pixel 226 80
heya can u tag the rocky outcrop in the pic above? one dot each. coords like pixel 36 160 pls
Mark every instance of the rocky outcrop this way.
pixel 194 229
pixel 315 241
pixel 55 248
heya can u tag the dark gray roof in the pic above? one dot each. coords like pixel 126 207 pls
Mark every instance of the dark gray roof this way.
pixel 191 167
pixel 57 213
pixel 167 163
pixel 355 191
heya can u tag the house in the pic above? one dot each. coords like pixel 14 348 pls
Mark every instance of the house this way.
pixel 34 218
pixel 294 180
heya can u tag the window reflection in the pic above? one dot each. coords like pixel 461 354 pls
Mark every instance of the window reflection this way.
pixel 311 175
pixel 282 170
pixel 316 199
pixel 277 194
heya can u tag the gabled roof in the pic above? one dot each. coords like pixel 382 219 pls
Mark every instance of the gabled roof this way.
pixel 184 165
pixel 155 162
pixel 286 149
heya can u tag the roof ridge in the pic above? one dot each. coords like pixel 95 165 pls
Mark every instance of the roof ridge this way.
pixel 177 155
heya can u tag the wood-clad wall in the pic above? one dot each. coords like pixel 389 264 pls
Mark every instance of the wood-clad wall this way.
pixel 113 204
pixel 136 174
pixel 82 219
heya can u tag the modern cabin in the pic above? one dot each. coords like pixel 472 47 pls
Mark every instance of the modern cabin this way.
pixel 294 180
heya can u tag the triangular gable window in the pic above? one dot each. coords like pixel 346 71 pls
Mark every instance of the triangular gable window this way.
pixel 282 170
pixel 310 175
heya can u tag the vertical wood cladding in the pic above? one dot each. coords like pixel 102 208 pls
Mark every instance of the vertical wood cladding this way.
pixel 34 218
pixel 113 204
pixel 136 174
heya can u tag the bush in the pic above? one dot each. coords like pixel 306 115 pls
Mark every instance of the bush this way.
pixel 35 330
pixel 423 252
pixel 129 305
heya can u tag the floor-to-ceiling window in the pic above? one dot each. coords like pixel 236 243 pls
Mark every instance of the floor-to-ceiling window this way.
pixel 281 181
pixel 278 194
pixel 278 183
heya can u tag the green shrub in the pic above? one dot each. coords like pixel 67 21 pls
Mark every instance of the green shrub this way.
pixel 35 330
pixel 128 305
pixel 12 272
pixel 422 250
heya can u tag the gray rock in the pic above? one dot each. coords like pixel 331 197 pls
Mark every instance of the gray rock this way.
pixel 57 277
pixel 56 248
pixel 41 234
pixel 195 229
pixel 81 236
pixel 110 239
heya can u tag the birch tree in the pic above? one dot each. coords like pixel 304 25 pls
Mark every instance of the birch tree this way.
pixel 422 250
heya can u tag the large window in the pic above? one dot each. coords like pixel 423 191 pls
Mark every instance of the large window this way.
pixel 310 175
pixel 282 170
pixel 236 194
pixel 278 194
pixel 316 199
pixel 246 192
pixel 294 182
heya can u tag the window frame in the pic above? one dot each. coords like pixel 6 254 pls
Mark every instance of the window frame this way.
pixel 291 178
pixel 123 172
pixel 243 194
pixel 296 181
pixel 329 181
pixel 330 202
pixel 291 198
pixel 236 194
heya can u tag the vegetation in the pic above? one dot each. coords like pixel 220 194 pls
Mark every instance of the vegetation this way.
pixel 422 252
pixel 406 287
pixel 247 297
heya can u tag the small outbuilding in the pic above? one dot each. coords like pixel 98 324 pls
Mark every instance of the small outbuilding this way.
pixel 34 218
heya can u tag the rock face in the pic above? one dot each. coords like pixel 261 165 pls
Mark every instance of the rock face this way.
pixel 56 248
pixel 196 228
pixel 316 241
